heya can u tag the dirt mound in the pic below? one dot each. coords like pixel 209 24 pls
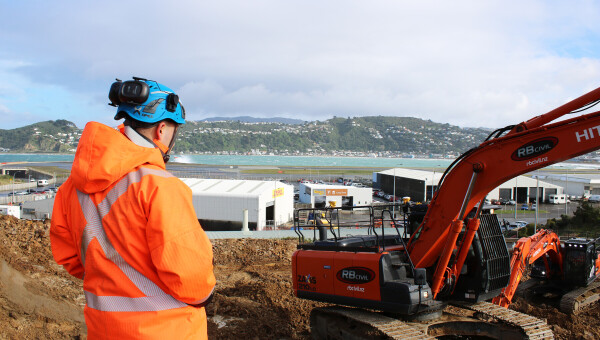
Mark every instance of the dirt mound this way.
pixel 253 298
pixel 38 298
pixel 254 295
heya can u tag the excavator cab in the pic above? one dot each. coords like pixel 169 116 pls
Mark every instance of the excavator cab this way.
pixel 581 261
pixel 368 268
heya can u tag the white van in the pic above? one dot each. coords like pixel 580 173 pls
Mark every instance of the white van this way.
pixel 557 199
pixel 42 182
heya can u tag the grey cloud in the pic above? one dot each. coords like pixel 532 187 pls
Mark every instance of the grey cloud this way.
pixel 445 61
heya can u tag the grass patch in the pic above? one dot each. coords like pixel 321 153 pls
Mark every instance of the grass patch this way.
pixel 526 212
pixel 307 172
pixel 54 170
pixel 8 179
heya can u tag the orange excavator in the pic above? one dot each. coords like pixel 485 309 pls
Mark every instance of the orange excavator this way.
pixel 572 268
pixel 454 256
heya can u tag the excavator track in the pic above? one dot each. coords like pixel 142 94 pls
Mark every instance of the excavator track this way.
pixel 533 327
pixel 351 323
pixel 574 301
pixel 359 324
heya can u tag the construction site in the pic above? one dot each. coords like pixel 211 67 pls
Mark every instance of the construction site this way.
pixel 253 299
pixel 442 268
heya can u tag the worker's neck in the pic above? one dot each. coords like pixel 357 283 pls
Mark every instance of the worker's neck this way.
pixel 138 138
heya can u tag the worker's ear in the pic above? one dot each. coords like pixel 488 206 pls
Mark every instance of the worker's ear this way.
pixel 160 130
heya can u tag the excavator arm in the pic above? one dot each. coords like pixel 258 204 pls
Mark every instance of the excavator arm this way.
pixel 526 251
pixel 507 153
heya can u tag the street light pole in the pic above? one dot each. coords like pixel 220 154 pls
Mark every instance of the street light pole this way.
pixel 516 194
pixel 432 184
pixel 433 180
pixel 12 199
pixel 394 194
pixel 566 194
pixel 537 201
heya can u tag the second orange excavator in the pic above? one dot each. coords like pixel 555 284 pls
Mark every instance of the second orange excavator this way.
pixel 570 268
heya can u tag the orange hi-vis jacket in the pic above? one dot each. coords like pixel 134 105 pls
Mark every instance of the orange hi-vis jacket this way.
pixel 128 228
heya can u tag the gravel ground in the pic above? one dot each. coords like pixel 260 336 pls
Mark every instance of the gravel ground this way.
pixel 253 299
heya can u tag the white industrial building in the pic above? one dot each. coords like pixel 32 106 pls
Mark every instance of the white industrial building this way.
pixel 220 204
pixel 420 185
pixel 582 185
pixel 12 210
pixel 322 195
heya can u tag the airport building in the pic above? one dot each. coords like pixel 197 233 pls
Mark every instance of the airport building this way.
pixel 323 195
pixel 420 185
pixel 223 204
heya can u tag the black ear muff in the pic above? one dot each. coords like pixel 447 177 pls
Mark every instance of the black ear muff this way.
pixel 113 93
pixel 172 101
pixel 134 92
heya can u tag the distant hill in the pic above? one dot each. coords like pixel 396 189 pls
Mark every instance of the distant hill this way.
pixel 48 136
pixel 380 135
pixel 377 134
pixel 249 119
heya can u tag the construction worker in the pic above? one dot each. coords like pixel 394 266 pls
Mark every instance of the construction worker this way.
pixel 128 228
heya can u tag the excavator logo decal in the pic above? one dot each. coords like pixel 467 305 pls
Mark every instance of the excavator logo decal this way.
pixel 533 149
pixel 355 275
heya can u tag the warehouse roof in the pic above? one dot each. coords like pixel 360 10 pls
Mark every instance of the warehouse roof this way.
pixel 522 181
pixel 581 178
pixel 415 174
pixel 230 186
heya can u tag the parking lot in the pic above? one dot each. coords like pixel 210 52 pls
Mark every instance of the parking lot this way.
pixel 545 212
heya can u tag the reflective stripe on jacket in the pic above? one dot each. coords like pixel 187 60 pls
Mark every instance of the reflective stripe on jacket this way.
pixel 130 230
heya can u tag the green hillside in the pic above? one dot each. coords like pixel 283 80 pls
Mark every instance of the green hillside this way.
pixel 50 136
pixel 376 134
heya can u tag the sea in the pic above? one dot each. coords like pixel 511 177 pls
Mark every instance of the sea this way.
pixel 266 160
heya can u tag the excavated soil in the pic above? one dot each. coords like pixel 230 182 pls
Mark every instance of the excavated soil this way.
pixel 253 299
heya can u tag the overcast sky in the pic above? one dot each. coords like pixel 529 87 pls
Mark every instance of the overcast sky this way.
pixel 467 63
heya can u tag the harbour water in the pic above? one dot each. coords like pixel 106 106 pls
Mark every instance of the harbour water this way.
pixel 258 160
pixel 252 160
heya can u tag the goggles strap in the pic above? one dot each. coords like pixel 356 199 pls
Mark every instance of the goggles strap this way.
pixel 165 150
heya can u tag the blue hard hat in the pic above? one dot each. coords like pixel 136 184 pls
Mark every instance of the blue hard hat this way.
pixel 145 101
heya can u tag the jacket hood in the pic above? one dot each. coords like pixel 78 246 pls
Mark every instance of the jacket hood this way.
pixel 104 155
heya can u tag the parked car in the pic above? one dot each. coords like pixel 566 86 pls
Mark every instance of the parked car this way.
pixel 524 206
pixel 518 224
pixel 594 199
pixel 18 193
pixel 510 202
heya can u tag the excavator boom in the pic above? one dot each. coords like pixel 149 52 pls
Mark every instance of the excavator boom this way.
pixel 487 166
